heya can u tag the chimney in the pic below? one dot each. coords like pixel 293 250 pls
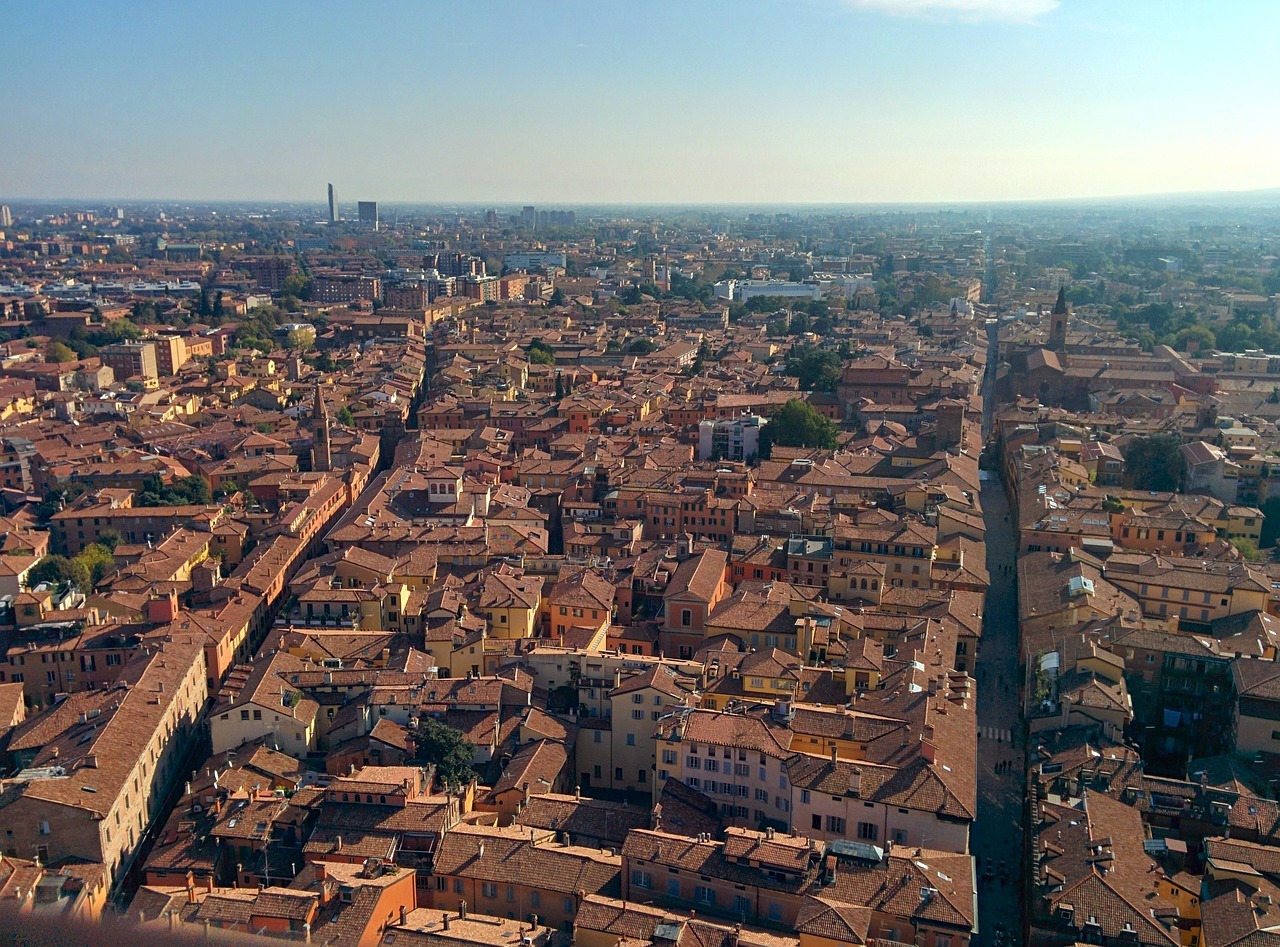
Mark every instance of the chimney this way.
pixel 462 910
pixel 337 843
pixel 833 755
pixel 444 918
pixel 928 750
pixel 191 891
pixel 306 931
pixel 403 913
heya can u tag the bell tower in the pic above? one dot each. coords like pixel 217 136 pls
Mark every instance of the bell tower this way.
pixel 1058 322
pixel 321 456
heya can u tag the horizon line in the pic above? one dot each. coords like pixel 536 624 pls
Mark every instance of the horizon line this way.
pixel 488 203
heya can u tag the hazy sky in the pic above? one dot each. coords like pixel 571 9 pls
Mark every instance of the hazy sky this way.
pixel 545 101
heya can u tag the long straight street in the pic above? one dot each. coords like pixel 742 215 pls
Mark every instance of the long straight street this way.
pixel 997 837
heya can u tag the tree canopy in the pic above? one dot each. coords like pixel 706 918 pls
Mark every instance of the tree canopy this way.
pixel 85 570
pixel 447 749
pixel 57 351
pixel 540 353
pixel 817 368
pixel 185 491
pixel 797 424
pixel 1154 463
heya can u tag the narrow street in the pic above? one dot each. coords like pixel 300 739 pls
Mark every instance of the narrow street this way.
pixel 997 836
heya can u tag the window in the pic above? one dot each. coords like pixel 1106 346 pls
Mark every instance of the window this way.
pixel 631 739
pixel 511 893
pixel 741 905
pixel 244 715
pixel 673 887
pixel 835 824
pixel 113 660
pixel 637 715
pixel 489 889
pixel 568 905
pixel 804 795
pixel 617 773
pixel 596 736
pixel 535 899
pixel 641 879
pixel 868 831
pixel 692 762
pixel 637 698
pixel 669 756
pixel 257 715
pixel 704 894
pixel 686 617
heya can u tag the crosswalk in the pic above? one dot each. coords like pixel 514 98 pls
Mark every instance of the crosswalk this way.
pixel 995 733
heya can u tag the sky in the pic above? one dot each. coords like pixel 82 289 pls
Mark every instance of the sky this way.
pixel 644 101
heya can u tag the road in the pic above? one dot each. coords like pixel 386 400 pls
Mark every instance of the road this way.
pixel 997 834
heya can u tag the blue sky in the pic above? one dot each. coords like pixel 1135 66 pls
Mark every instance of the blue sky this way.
pixel 548 101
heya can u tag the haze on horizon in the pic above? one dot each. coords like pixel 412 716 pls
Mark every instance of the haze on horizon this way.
pixel 760 101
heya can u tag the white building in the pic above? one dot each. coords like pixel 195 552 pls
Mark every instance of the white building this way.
pixel 527 261
pixel 730 439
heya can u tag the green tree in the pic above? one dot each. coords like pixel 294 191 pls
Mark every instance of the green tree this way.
pixel 217 308
pixel 540 353
pixel 110 539
pixel 300 340
pixel 1201 336
pixel 344 416
pixel 798 424
pixel 97 561
pixel 559 386
pixel 57 569
pixel 1154 463
pixel 447 749
pixel 57 351
pixel 297 285
pixel 818 369
pixel 1248 549
pixel 557 297
pixel 642 346
pixel 1270 522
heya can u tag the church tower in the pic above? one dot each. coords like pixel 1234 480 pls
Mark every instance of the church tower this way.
pixel 321 456
pixel 1058 322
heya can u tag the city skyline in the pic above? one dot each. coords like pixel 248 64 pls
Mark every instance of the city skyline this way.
pixel 824 101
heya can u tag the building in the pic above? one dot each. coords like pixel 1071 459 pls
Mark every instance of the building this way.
pixel 368 211
pixel 171 354
pixel 94 787
pixel 6 216
pixel 737 439
pixel 545 259
pixel 333 206
pixel 345 288
pixel 131 359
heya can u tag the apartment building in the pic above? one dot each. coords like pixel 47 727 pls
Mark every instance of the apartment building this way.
pixel 131 359
pixel 93 789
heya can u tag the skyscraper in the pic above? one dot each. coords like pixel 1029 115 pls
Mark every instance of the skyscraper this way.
pixel 333 206
pixel 6 216
pixel 368 213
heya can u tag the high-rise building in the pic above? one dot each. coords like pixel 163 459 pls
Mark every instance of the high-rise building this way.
pixel 368 213
pixel 6 216
pixel 131 359
pixel 333 206
pixel 529 218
